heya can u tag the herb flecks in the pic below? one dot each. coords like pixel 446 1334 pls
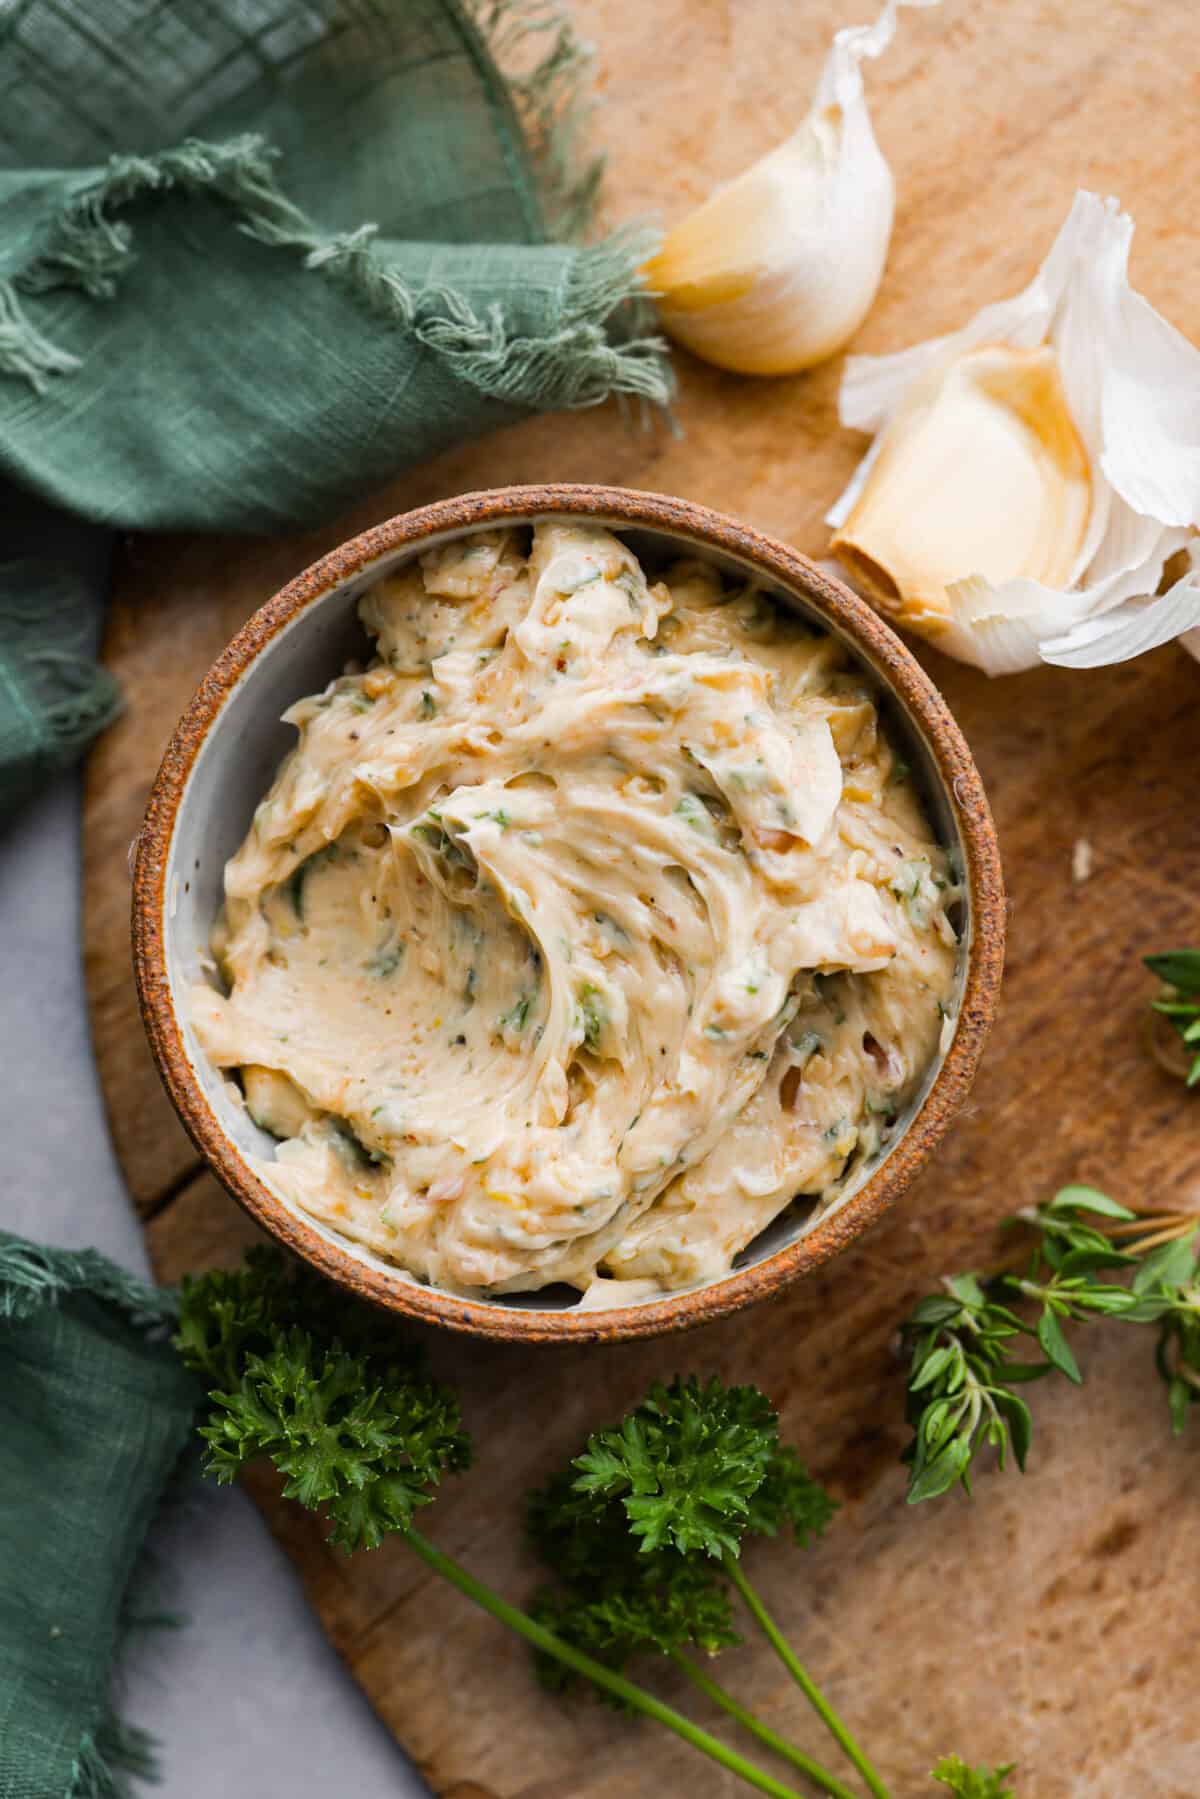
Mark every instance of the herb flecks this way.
pixel 298 880
pixel 694 812
pixel 386 959
pixel 517 1017
pixel 591 1015
pixel 431 831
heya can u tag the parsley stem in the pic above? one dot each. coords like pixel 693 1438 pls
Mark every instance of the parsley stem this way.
pixel 821 1777
pixel 799 1674
pixel 549 1644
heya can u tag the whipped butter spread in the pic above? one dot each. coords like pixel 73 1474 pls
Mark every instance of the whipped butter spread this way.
pixel 592 925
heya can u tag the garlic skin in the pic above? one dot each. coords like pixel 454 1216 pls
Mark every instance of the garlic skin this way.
pixel 1048 458
pixel 777 270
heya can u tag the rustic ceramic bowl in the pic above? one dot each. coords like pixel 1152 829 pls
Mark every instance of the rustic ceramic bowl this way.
pixel 225 752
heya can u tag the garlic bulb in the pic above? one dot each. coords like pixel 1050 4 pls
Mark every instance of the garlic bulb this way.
pixel 1033 474
pixel 776 271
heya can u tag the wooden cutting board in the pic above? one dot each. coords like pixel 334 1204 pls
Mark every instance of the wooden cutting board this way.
pixel 1051 1622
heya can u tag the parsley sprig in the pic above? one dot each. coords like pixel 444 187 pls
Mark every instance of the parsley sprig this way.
pixel 323 1389
pixel 963 1374
pixel 321 1386
pixel 645 1537
pixel 1179 1001
pixel 644 1532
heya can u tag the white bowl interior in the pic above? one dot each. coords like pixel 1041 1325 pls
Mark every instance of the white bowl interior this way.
pixel 237 762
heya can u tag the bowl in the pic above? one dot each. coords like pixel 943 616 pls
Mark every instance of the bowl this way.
pixel 223 756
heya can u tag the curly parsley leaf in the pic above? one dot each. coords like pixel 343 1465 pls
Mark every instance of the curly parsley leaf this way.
pixel 318 1384
pixel 689 1462
pixel 694 1468
pixel 634 1531
pixel 613 1597
pixel 669 1604
pixel 225 1317
pixel 789 1498
pixel 973 1783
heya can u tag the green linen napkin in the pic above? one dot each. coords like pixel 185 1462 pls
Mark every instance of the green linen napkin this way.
pixel 255 257
pixel 95 1411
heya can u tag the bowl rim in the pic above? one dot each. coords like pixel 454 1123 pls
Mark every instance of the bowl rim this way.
pixel 871 638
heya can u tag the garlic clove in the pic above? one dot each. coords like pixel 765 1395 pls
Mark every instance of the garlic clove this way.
pixel 776 271
pixel 762 279
pixel 719 251
pixel 1131 391
pixel 981 473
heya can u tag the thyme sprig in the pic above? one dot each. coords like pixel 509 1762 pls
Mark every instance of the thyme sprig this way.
pixel 963 1375
pixel 1179 1001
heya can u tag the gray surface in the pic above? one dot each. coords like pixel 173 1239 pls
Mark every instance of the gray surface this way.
pixel 248 1700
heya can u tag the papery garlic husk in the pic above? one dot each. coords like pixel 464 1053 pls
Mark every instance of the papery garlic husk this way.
pixel 1033 474
pixel 776 271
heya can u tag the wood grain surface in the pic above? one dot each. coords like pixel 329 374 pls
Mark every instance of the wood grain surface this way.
pixel 1047 1623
